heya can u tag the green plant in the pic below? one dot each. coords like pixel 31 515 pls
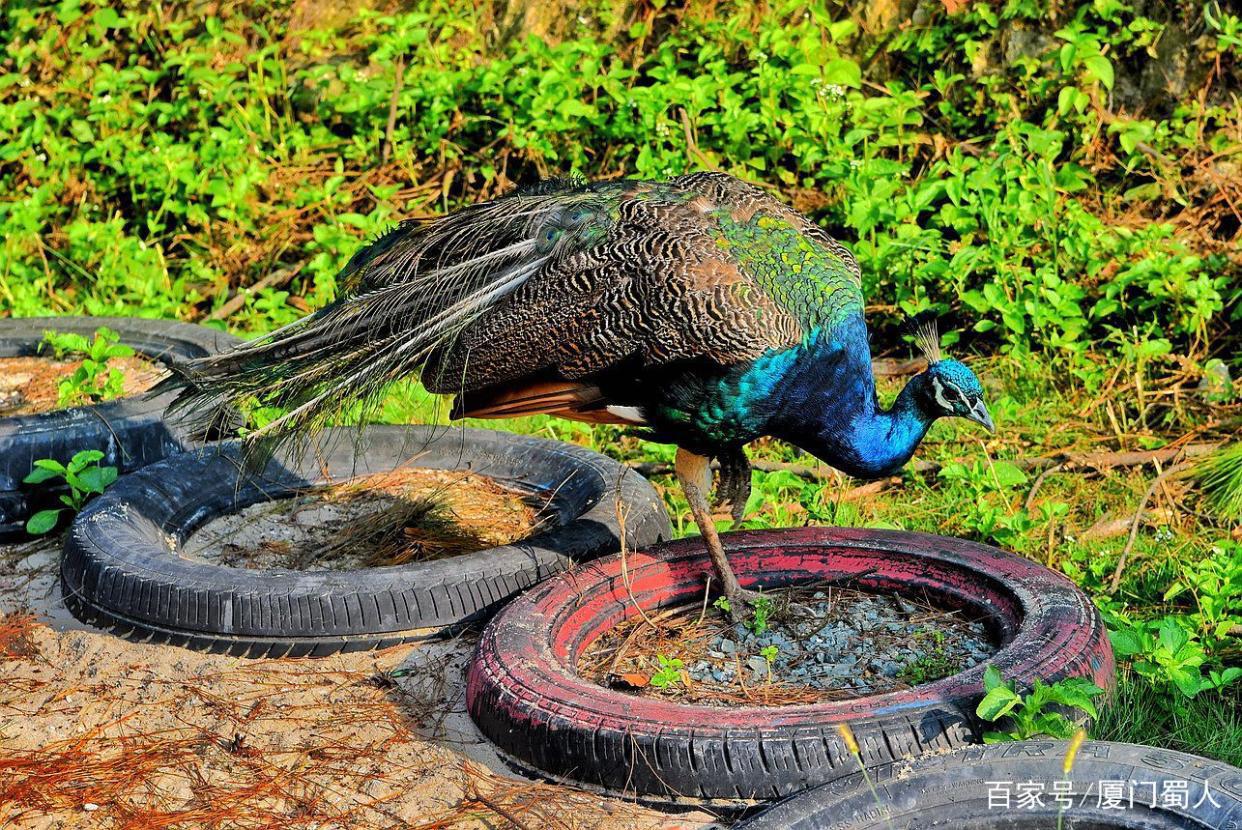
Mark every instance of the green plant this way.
pixel 94 380
pixel 761 613
pixel 669 673
pixel 934 664
pixel 1168 654
pixel 84 477
pixel 1220 476
pixel 769 653
pixel 1029 716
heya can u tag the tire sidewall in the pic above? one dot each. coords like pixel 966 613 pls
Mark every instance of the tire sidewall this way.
pixel 131 431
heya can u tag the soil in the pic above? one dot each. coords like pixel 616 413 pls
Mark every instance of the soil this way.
pixel 408 515
pixel 101 732
pixel 831 644
pixel 28 384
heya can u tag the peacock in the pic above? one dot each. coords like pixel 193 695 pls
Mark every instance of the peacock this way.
pixel 699 309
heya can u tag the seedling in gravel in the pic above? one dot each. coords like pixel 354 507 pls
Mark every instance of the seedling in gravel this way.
pixel 936 663
pixel 769 654
pixel 669 673
pixel 94 380
pixel 1028 715
pixel 84 477
pixel 758 623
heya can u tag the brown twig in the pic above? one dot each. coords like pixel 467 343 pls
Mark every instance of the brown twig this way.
pixel 275 279
pixel 1115 582
pixel 625 570
pixel 386 146
pixel 1039 481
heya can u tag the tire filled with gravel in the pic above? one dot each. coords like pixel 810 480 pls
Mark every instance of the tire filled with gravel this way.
pixel 527 693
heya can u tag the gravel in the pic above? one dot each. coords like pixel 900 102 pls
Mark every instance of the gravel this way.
pixel 854 641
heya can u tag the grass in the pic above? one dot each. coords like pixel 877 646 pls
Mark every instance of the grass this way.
pixel 1209 725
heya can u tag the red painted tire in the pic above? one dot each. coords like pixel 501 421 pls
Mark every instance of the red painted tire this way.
pixel 525 695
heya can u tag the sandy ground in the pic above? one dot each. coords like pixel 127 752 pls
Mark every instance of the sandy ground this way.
pixel 96 731
pixel 29 384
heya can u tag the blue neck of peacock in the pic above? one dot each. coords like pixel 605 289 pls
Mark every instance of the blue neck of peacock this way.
pixel 879 442
pixel 838 418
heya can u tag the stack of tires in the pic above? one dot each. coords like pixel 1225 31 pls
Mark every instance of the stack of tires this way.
pixel 130 432
pixel 904 759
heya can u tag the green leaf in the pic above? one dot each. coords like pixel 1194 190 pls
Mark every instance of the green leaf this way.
pixel 842 72
pixel 42 522
pixel 1126 642
pixel 40 475
pixel 1052 724
pixel 992 678
pixel 83 458
pixel 96 479
pixel 1172 636
pixel 107 18
pixel 1078 693
pixel 1008 474
pixel 997 703
pixel 1189 683
pixel 1100 68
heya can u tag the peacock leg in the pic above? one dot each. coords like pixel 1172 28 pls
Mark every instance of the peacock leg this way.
pixel 694 472
pixel 733 489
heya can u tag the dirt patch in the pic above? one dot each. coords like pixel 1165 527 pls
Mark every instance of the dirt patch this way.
pixel 819 645
pixel 96 730
pixel 29 385
pixel 408 515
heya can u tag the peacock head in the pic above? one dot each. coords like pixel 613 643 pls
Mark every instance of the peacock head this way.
pixel 952 390
pixel 947 389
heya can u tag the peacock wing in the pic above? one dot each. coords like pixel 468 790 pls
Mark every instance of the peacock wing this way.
pixel 703 267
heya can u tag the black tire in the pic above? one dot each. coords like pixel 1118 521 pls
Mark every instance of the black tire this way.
pixel 954 790
pixel 120 567
pixel 131 432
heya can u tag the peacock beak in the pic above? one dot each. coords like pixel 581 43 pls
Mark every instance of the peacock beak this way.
pixel 979 414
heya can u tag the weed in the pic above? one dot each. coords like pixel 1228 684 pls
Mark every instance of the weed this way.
pixel 933 665
pixel 761 613
pixel 769 653
pixel 669 673
pixel 1030 715
pixel 94 380
pixel 84 477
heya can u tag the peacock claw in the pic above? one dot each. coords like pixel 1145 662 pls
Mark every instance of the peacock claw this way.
pixel 733 485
